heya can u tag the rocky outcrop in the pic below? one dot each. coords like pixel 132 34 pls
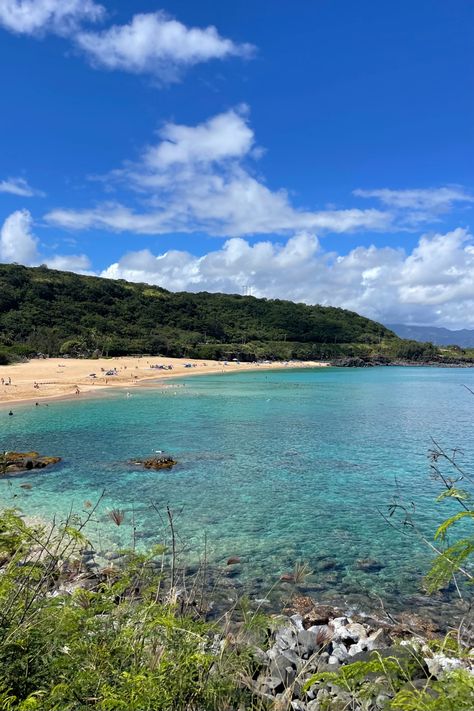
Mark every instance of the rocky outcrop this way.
pixel 161 462
pixel 351 362
pixel 20 462
pixel 308 644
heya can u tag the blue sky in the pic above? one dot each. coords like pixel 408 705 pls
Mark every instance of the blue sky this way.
pixel 319 151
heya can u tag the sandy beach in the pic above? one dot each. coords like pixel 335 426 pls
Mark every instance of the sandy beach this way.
pixel 40 379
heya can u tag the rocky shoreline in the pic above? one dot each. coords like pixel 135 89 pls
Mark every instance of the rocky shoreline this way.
pixel 300 657
pixel 304 664
pixel 310 657
pixel 370 362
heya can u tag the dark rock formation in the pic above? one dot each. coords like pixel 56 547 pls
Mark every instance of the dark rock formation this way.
pixel 161 462
pixel 20 462
pixel 352 362
pixel 369 565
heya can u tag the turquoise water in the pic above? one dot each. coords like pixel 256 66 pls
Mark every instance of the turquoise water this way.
pixel 274 467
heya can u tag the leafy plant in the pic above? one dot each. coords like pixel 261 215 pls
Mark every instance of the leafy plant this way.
pixel 119 645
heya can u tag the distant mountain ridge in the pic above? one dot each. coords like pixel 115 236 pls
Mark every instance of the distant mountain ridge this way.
pixel 438 336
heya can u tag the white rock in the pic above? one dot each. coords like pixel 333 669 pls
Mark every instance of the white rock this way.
pixel 339 651
pixel 353 630
pixel 297 621
pixel 439 664
pixel 356 648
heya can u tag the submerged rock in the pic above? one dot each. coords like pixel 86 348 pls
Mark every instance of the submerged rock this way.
pixel 233 560
pixel 20 462
pixel 369 565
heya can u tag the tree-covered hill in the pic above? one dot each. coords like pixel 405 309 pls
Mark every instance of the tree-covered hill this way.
pixel 54 312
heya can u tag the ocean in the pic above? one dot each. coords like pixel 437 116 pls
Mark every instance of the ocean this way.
pixel 274 467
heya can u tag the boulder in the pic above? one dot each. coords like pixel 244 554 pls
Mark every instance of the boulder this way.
pixel 319 615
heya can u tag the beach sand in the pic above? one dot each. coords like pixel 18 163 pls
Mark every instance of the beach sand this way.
pixel 63 377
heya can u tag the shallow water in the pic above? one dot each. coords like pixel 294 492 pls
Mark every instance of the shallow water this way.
pixel 274 467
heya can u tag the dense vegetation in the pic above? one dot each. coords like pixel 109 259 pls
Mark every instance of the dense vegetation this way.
pixel 61 313
pixel 125 645
pixel 53 312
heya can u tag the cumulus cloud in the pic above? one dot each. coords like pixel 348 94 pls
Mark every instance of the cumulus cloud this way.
pixel 151 43
pixel 197 178
pixel 19 186
pixel 69 263
pixel 19 244
pixel 17 241
pixel 61 17
pixel 156 43
pixel 434 284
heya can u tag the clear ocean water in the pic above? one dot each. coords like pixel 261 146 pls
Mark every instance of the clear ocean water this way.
pixel 274 467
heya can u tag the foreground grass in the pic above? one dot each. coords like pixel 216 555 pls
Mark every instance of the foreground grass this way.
pixel 126 645
pixel 136 642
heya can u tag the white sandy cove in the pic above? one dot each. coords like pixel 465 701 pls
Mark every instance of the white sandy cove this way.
pixel 71 377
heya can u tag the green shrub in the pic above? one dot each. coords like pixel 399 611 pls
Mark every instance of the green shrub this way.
pixel 117 647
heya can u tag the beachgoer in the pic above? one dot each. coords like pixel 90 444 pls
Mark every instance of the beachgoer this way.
pixel 10 413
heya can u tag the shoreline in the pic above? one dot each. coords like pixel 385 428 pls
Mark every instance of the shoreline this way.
pixel 50 379
pixel 425 613
pixel 277 595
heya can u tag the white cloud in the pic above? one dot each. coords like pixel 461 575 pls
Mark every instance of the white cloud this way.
pixel 40 16
pixel 17 241
pixel 19 244
pixel 156 43
pixel 196 178
pixel 420 204
pixel 69 263
pixel 19 186
pixel 434 284
pixel 223 137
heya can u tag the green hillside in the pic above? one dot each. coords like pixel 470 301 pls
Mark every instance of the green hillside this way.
pixel 54 312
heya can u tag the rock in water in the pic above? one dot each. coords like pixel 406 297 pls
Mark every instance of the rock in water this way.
pixel 19 462
pixel 233 560
pixel 369 565
pixel 162 462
